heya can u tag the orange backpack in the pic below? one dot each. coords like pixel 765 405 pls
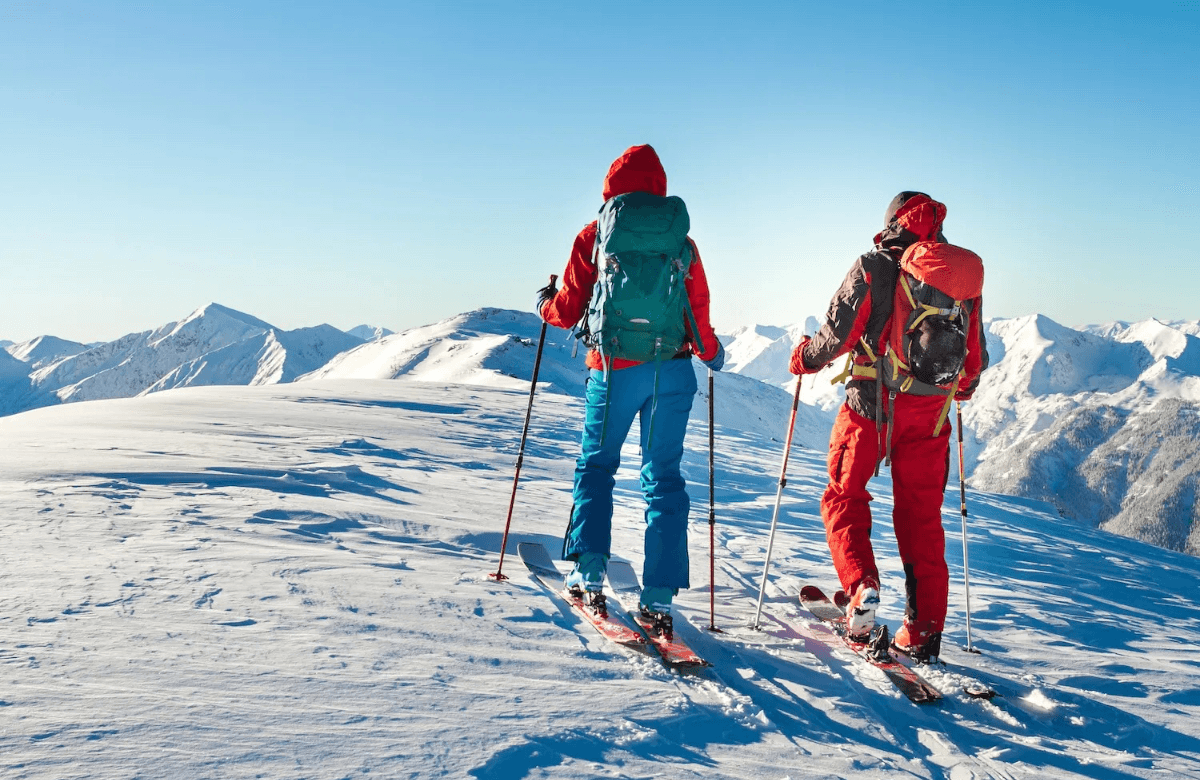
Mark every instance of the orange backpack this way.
pixel 926 338
pixel 923 347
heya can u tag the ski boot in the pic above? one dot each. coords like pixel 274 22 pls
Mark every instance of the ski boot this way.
pixel 860 612
pixel 921 643
pixel 660 622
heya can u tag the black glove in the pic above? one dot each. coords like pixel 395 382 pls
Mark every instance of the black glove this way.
pixel 547 293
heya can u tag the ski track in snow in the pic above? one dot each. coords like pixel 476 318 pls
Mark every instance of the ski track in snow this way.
pixel 291 581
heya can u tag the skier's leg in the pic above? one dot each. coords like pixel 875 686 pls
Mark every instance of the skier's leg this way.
pixel 920 465
pixel 845 505
pixel 667 503
pixel 590 528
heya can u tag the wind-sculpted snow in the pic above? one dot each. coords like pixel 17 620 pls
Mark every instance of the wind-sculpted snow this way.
pixel 291 581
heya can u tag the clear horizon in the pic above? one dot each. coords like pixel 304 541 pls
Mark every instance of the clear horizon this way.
pixel 369 163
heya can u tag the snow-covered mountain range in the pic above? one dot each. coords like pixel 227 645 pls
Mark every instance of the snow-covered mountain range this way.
pixel 214 345
pixel 1101 422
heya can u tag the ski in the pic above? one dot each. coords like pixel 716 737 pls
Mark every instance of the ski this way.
pixel 970 687
pixel 674 651
pixel 537 559
pixel 875 653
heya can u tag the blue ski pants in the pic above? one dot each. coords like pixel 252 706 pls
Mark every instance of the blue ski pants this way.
pixel 629 393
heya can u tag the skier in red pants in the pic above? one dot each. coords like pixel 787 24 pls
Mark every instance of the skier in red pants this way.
pixel 892 415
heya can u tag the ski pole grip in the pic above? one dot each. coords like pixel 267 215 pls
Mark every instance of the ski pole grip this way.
pixel 553 279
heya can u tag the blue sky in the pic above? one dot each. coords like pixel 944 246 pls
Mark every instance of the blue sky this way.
pixel 397 163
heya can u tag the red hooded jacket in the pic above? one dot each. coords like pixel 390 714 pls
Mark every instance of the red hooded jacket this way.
pixel 862 307
pixel 637 170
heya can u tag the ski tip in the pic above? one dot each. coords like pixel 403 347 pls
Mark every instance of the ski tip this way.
pixel 812 593
pixel 980 691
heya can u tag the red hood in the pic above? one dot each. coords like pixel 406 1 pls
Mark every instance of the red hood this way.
pixel 922 216
pixel 912 214
pixel 637 170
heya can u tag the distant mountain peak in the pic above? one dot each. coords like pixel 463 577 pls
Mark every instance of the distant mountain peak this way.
pixel 370 332
pixel 217 310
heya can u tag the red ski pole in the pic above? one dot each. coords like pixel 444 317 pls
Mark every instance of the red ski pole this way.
pixel 537 364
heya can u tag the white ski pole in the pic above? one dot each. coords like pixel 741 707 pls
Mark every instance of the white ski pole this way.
pixel 787 449
pixel 962 495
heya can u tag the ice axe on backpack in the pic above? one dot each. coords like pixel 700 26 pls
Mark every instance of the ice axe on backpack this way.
pixel 537 363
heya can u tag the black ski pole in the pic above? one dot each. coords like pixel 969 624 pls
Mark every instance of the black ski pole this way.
pixel 712 513
pixel 787 449
pixel 962 494
pixel 537 364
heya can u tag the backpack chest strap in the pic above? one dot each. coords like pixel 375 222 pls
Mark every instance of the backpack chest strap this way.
pixel 926 309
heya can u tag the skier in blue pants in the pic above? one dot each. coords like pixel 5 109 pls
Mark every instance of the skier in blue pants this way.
pixel 631 393
pixel 658 391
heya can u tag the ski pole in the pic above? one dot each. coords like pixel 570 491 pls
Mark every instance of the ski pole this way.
pixel 712 514
pixel 962 494
pixel 787 448
pixel 537 363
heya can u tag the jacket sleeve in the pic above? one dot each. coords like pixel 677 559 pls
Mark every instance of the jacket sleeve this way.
pixel 707 346
pixel 846 320
pixel 977 357
pixel 567 307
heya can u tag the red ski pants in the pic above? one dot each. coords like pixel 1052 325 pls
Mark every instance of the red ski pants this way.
pixel 920 466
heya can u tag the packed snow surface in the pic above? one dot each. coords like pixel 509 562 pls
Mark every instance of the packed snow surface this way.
pixel 292 581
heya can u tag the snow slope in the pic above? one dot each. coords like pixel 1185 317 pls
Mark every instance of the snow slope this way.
pixel 291 581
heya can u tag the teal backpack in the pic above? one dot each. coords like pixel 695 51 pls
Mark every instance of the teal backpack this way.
pixel 642 255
